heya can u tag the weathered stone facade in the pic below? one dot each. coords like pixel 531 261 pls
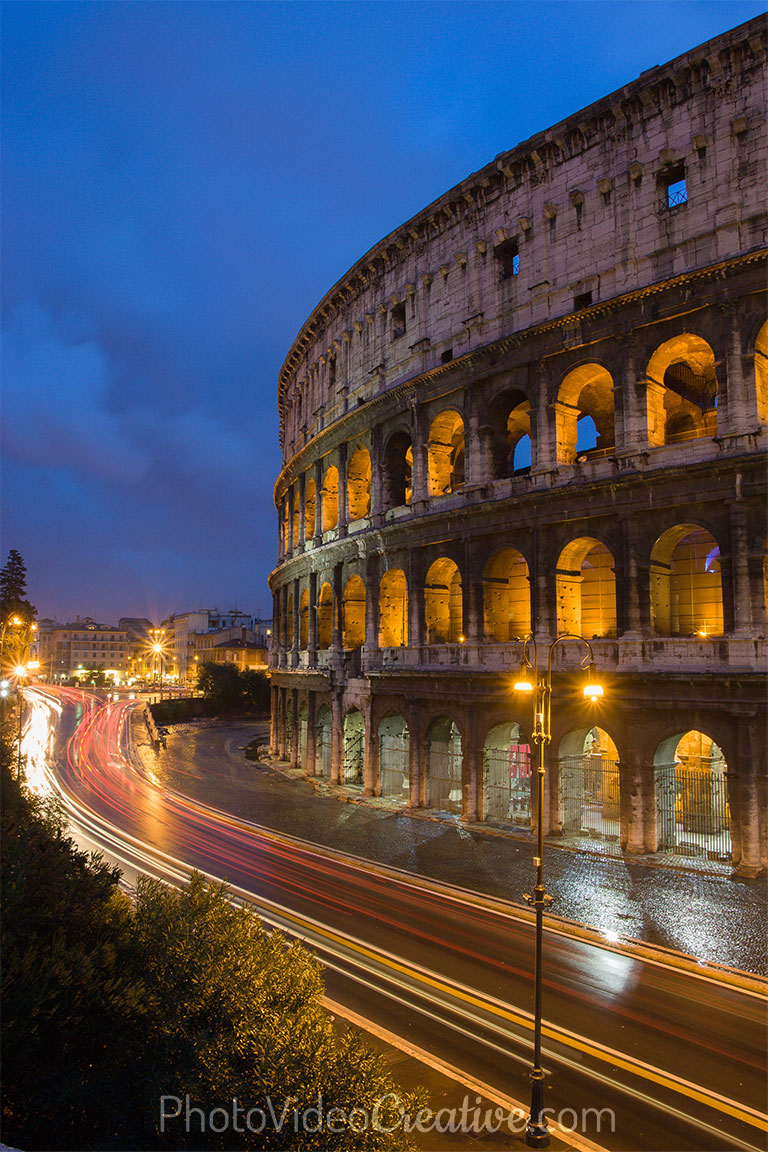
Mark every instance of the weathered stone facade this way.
pixel 540 406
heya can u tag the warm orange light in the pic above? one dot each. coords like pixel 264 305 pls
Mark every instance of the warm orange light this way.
pixel 592 690
pixel 19 670
pixel 523 685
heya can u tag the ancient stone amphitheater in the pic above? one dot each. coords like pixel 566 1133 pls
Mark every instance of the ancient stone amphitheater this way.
pixel 539 407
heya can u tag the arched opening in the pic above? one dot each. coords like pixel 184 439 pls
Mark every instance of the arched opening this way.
pixel 443 610
pixel 309 508
pixel 693 816
pixel 330 498
pixel 324 742
pixel 586 589
pixel 353 613
pixel 507 596
pixel 285 522
pixel 584 414
pixel 588 775
pixel 398 471
pixel 394 758
pixel 353 767
pixel 686 585
pixel 359 484
pixel 761 373
pixel 510 425
pixel 507 776
pixel 304 620
pixel 303 735
pixel 295 532
pixel 521 460
pixel 446 453
pixel 325 617
pixel 444 766
pixel 393 609
pixel 682 393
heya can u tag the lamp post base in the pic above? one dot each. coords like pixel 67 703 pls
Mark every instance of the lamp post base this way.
pixel 537 1136
pixel 536 1131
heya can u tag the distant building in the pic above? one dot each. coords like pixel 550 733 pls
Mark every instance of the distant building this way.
pixel 244 650
pixel 67 651
pixel 183 632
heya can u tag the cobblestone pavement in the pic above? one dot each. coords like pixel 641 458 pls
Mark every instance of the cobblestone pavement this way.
pixel 714 918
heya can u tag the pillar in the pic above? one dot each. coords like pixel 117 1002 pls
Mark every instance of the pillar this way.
pixel 343 490
pixel 337 738
pixel 312 622
pixel 311 765
pixel 742 599
pixel 302 510
pixel 318 536
pixel 295 728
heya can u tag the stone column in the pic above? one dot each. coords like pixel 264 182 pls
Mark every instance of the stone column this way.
pixel 282 739
pixel 376 512
pixel 295 728
pixel 289 532
pixel 543 458
pixel 371 605
pixel 285 624
pixel 337 634
pixel 627 590
pixel 337 738
pixel 478 469
pixel 302 511
pixel 746 789
pixel 543 607
pixel 415 605
pixel 414 758
pixel 733 410
pixel 343 491
pixel 295 625
pixel 631 428
pixel 318 536
pixel 471 773
pixel 311 765
pixel 632 805
pixel 371 782
pixel 312 621
pixel 419 483
pixel 742 600
pixel 274 718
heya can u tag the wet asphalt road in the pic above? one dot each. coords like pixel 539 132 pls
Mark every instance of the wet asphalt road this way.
pixel 713 918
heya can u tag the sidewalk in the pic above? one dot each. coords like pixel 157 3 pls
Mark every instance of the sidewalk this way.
pixel 716 919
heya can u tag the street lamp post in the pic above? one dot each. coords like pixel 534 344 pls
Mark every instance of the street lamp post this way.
pixel 20 672
pixel 529 680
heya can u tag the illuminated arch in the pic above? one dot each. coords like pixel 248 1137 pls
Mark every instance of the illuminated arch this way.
pixel 330 498
pixel 304 620
pixel 393 609
pixel 359 484
pixel 507 596
pixel 586 589
pixel 683 403
pixel 446 453
pixel 585 399
pixel 686 585
pixel 309 508
pixel 353 613
pixel 325 617
pixel 443 609
pixel 398 470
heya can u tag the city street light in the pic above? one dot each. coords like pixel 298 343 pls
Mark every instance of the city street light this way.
pixel 540 688
pixel 19 672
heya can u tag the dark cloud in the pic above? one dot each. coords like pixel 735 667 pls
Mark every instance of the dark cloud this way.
pixel 182 182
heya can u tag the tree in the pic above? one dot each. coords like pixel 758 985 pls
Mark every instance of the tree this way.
pixel 220 685
pixel 13 590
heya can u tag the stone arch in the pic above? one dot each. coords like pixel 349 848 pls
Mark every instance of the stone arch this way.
pixel 393 609
pixel 353 751
pixel 330 498
pixel 359 484
pixel 296 518
pixel 585 396
pixel 444 761
pixel 325 617
pixel 682 391
pixel 324 745
pixel 353 613
pixel 443 609
pixel 398 470
pixel 686 584
pixel 507 775
pixel 507 596
pixel 761 373
pixel 693 816
pixel 588 785
pixel 446 453
pixel 586 589
pixel 304 620
pixel 394 757
pixel 510 422
pixel 310 498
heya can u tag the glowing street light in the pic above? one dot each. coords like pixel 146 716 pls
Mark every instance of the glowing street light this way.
pixel 539 687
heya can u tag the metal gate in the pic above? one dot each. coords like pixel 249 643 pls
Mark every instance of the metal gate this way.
pixel 508 784
pixel 354 759
pixel 693 810
pixel 394 766
pixel 444 763
pixel 589 797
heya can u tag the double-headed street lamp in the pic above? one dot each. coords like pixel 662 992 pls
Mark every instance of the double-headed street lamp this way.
pixel 540 686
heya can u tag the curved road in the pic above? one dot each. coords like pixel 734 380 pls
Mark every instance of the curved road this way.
pixel 677 1057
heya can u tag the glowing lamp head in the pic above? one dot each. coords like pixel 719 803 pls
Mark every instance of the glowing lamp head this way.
pixel 20 670
pixel 524 682
pixel 157 647
pixel 592 689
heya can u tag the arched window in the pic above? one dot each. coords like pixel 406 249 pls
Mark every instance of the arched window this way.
pixel 444 766
pixel 325 617
pixel 330 498
pixel 309 509
pixel 353 613
pixel 443 609
pixel 589 785
pixel 682 396
pixel 586 392
pixel 446 453
pixel 295 533
pixel 359 484
pixel 398 471
pixel 586 589
pixel 686 586
pixel 393 609
pixel 394 758
pixel 693 814
pixel 510 432
pixel 507 596
pixel 761 373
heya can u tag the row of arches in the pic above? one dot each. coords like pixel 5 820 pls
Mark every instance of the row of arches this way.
pixel 686 596
pixel 681 390
pixel 688 778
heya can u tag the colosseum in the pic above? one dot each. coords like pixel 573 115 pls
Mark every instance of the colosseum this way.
pixel 538 408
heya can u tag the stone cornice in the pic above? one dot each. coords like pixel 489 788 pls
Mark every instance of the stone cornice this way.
pixel 345 427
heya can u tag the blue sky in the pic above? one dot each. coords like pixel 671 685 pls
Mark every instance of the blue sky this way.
pixel 182 183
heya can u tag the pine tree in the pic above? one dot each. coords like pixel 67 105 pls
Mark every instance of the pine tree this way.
pixel 13 590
